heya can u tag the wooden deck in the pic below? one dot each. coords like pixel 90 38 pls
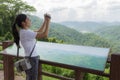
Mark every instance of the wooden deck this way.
pixel 16 77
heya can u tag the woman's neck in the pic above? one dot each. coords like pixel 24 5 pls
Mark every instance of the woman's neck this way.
pixel 25 27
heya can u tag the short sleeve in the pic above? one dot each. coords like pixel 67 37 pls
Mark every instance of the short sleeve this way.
pixel 31 34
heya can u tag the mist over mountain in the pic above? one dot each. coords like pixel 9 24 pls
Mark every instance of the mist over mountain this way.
pixel 88 26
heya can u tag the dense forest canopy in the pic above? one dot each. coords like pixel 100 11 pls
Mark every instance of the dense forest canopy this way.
pixel 8 10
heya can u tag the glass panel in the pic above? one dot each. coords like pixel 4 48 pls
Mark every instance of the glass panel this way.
pixel 80 56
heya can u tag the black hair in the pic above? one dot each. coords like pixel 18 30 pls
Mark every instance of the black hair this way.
pixel 18 23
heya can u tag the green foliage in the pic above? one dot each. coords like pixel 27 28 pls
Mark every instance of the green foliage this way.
pixel 36 22
pixel 0 48
pixel 71 36
pixel 86 76
pixel 58 70
pixel 51 39
pixel 8 36
pixel 8 10
pixel 1 57
pixel 2 39
pixel 49 78
pixel 89 76
pixel 111 33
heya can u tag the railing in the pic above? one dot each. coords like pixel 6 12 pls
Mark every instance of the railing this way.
pixel 1 62
pixel 79 71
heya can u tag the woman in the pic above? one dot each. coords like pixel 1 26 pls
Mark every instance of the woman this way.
pixel 21 32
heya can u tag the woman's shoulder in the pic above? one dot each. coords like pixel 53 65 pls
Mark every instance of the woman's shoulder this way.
pixel 26 30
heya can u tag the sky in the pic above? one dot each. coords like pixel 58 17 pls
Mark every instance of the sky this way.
pixel 78 10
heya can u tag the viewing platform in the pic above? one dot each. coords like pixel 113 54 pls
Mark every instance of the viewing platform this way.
pixel 81 59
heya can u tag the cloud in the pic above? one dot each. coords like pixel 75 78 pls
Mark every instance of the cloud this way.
pixel 78 10
pixel 114 6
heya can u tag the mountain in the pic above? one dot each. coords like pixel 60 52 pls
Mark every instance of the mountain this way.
pixel 112 33
pixel 70 36
pixel 108 30
pixel 88 26
pixel 36 22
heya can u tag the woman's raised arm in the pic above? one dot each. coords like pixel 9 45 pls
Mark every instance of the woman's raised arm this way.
pixel 43 31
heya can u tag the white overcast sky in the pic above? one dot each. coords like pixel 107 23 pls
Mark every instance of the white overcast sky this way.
pixel 78 10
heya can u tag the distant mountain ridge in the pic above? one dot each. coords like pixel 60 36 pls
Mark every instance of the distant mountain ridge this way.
pixel 88 25
pixel 111 33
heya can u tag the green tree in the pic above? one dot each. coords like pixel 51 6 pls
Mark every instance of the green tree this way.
pixel 8 10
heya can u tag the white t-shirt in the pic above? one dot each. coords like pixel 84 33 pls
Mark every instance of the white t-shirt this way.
pixel 28 40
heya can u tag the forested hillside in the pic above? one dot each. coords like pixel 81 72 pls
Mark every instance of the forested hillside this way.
pixel 89 26
pixel 36 22
pixel 71 36
pixel 112 33
pixel 107 30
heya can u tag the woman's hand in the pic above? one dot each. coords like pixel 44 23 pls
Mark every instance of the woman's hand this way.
pixel 47 17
